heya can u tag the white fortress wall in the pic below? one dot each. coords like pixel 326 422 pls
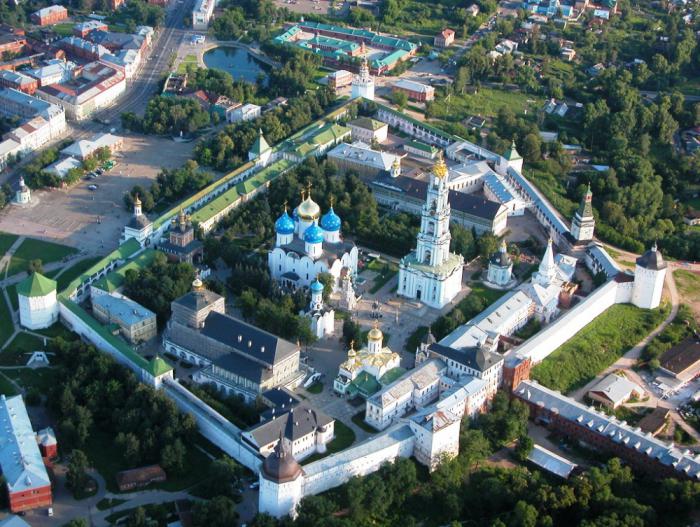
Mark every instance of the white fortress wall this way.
pixel 359 460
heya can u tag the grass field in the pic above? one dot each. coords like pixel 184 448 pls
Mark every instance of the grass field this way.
pixel 6 387
pixel 6 327
pixel 43 379
pixel 65 29
pixel 486 102
pixel 31 249
pixel 6 241
pixel 12 293
pixel 16 353
pixel 344 437
pixel 386 271
pixel 359 420
pixel 74 271
pixel 688 284
pixel 597 346
pixel 189 59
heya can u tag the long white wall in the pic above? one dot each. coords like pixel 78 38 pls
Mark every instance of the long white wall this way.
pixel 359 460
pixel 561 330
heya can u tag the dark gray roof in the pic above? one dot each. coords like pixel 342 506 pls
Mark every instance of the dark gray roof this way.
pixel 330 250
pixel 681 356
pixel 247 339
pixel 475 358
pixel 243 366
pixel 652 259
pixel 171 248
pixel 459 201
pixel 197 300
pixel 139 222
pixel 294 423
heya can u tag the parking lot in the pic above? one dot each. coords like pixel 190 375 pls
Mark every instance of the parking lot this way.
pixel 93 219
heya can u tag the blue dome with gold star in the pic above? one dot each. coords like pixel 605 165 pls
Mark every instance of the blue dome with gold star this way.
pixel 330 221
pixel 284 224
pixel 313 234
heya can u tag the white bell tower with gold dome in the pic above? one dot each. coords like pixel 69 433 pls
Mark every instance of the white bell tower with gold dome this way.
pixel 431 273
pixel 363 82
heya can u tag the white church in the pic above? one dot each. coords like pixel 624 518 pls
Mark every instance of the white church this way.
pixel 306 247
pixel 321 317
pixel 431 273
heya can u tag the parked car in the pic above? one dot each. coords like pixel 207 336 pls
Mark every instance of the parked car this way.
pixel 92 187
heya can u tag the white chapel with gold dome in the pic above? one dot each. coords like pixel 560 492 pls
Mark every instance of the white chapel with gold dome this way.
pixel 363 370
pixel 307 244
pixel 431 273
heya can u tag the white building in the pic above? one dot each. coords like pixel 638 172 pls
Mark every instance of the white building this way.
pixel 281 482
pixel 23 195
pixel 431 273
pixel 61 167
pixel 361 372
pixel 38 306
pixel 260 152
pixel 84 148
pixel 202 13
pixel 322 318
pixel 368 130
pixel 247 112
pixel 500 270
pixel 649 275
pixel 363 159
pixel 306 247
pixel 583 224
pixel 139 227
pixel 55 70
pixel 363 83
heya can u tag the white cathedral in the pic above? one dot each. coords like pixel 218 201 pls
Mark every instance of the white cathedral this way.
pixel 431 273
pixel 306 247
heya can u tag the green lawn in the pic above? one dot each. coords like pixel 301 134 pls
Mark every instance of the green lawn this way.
pixel 65 29
pixel 386 271
pixel 57 330
pixel 188 59
pixel 31 249
pixel 6 327
pixel 12 293
pixel 316 387
pixel 597 346
pixel 688 284
pixel 17 352
pixel 74 271
pixel 486 102
pixel 43 379
pixel 6 241
pixel 344 437
pixel 108 503
pixel 359 420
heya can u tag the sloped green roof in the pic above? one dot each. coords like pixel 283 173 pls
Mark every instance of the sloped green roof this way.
pixel 366 384
pixel 585 209
pixel 512 154
pixel 260 145
pixel 423 146
pixel 36 285
pixel 115 279
pixel 158 366
pixel 368 123
pixel 391 375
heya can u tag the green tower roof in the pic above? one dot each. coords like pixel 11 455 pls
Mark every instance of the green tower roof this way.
pixel 36 285
pixel 260 145
pixel 512 154
pixel 158 366
pixel 585 210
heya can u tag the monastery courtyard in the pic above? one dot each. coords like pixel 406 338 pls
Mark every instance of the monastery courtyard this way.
pixel 73 215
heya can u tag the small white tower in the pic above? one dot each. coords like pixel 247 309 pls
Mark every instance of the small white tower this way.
pixel 322 318
pixel 374 339
pixel 260 150
pixel 284 229
pixel 500 267
pixel 649 275
pixel 281 481
pixel 137 207
pixel 316 295
pixel 23 196
pixel 547 270
pixel 510 159
pixel 583 224
pixel 363 82
pixel 38 305
pixel 395 168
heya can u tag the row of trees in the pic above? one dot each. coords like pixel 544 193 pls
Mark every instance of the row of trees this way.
pixel 170 186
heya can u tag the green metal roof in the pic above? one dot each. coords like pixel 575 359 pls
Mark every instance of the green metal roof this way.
pixel 36 285
pixel 512 154
pixel 366 384
pixel 368 123
pixel 123 252
pixel 260 145
pixel 115 279
pixel 158 366
pixel 585 209
pixel 216 205
pixel 423 146
pixel 391 375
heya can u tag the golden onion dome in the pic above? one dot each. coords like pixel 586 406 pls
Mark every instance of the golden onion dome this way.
pixel 308 209
pixel 440 168
pixel 375 334
pixel 137 200
pixel 351 351
pixel 197 284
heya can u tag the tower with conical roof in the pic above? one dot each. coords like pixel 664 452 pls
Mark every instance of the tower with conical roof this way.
pixel 431 273
pixel 363 82
pixel 281 481
pixel 38 304
pixel 547 270
pixel 649 275
pixel 583 224
pixel 510 159
pixel 260 152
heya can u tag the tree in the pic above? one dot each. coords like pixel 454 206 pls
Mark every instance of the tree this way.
pixel 35 266
pixel 172 458
pixel 524 447
pixel 77 522
pixel 137 518
pixel 218 512
pixel 532 147
pixel 352 333
pixel 399 98
pixel 76 477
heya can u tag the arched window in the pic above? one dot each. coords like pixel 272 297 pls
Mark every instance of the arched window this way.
pixel 427 256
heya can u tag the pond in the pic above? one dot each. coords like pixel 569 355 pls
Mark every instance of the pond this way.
pixel 236 61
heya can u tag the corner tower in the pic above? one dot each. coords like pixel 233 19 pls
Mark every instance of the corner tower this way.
pixel 583 224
